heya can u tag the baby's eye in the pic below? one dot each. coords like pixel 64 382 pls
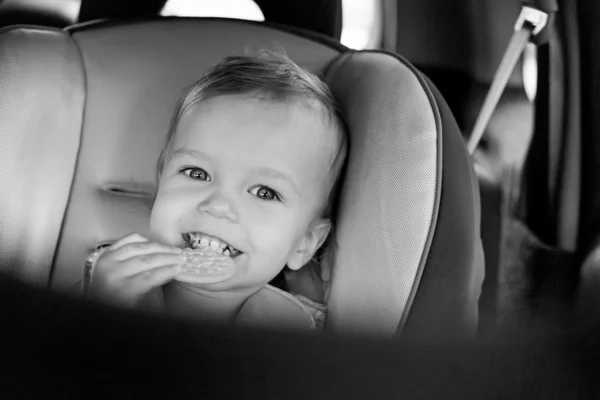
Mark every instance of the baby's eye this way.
pixel 196 173
pixel 265 193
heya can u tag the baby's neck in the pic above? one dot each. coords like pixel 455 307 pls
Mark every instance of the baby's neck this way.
pixel 191 303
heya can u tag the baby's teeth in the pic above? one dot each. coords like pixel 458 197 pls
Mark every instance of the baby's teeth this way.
pixel 227 253
pixel 214 244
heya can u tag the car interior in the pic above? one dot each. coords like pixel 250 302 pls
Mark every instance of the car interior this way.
pixel 482 226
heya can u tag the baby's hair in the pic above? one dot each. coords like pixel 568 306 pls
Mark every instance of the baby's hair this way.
pixel 268 76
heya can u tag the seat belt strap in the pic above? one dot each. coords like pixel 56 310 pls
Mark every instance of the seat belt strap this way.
pixel 531 21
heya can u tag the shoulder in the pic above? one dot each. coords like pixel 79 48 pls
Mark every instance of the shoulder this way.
pixel 274 308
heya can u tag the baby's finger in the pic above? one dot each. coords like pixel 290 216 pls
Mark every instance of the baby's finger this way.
pixel 148 262
pixel 148 280
pixel 136 249
pixel 127 239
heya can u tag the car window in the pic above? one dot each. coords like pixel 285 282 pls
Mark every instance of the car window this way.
pixel 360 29
pixel 241 9
pixel 530 71
pixel 361 24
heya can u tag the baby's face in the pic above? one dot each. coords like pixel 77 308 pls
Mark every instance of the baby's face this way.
pixel 253 173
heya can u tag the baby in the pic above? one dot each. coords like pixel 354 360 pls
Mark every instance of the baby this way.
pixel 251 165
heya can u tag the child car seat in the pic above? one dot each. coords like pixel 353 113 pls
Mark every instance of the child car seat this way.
pixel 84 113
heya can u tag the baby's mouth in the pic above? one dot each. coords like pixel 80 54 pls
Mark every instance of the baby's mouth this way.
pixel 196 240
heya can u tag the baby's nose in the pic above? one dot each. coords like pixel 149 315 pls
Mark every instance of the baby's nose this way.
pixel 218 206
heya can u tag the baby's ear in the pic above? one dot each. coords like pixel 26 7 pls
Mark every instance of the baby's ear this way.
pixel 313 239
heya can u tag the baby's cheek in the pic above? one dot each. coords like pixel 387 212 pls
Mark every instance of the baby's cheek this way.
pixel 268 240
pixel 163 220
pixel 275 243
pixel 156 223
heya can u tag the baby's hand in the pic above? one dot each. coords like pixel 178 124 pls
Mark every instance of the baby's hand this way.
pixel 131 267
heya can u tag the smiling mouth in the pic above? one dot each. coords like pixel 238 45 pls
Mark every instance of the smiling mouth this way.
pixel 198 240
